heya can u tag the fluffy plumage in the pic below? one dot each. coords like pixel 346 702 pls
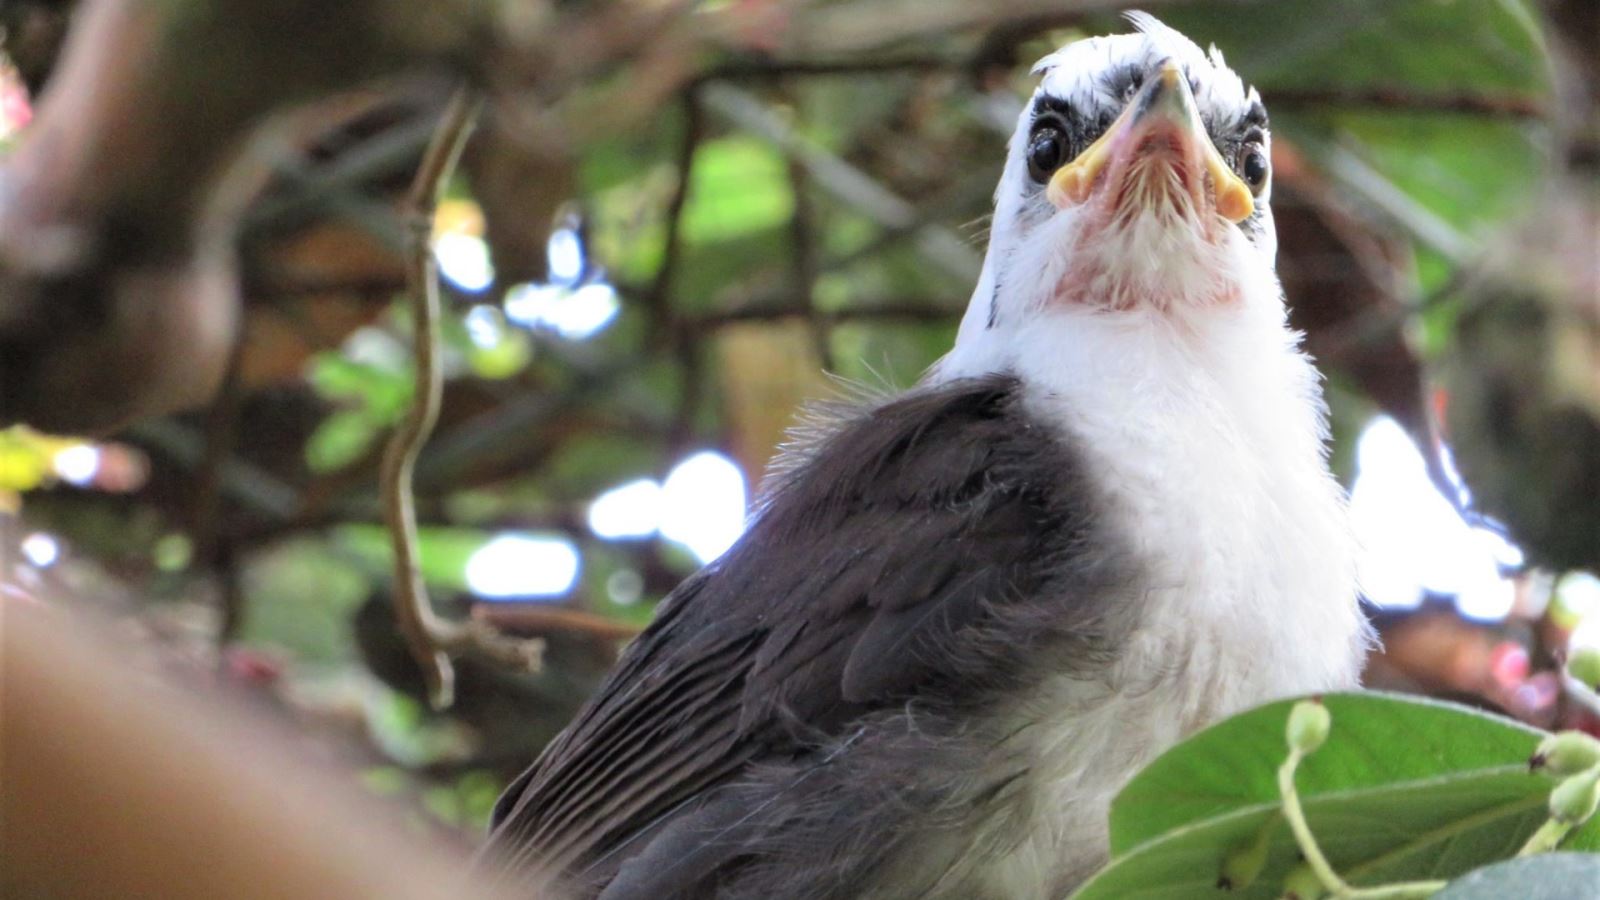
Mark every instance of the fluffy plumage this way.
pixel 964 617
pixel 926 566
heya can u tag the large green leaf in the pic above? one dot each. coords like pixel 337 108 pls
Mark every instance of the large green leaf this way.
pixel 1436 829
pixel 1404 789
pixel 1378 739
pixel 1552 876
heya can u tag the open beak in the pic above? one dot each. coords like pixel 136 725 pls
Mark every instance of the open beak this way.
pixel 1161 115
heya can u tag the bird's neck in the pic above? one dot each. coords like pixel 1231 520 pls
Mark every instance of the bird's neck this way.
pixel 1208 448
pixel 1192 285
pixel 1237 365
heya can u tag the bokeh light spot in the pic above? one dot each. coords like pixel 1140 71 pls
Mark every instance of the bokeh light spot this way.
pixel 464 260
pixel 523 565
pixel 631 510
pixel 77 464
pixel 703 504
pixel 1413 541
pixel 41 549
pixel 573 314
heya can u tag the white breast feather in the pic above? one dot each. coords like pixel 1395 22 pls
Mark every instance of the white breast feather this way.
pixel 1205 435
pixel 1177 378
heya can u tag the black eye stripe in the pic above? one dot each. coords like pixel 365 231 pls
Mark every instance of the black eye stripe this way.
pixel 1233 131
pixel 1257 115
pixel 1076 129
pixel 1046 103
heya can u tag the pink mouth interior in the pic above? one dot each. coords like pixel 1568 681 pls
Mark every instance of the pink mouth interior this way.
pixel 1155 169
pixel 1154 196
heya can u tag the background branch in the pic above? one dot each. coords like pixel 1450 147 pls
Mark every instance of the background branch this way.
pixel 432 640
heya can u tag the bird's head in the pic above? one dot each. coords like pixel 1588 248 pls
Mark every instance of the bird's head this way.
pixel 1138 180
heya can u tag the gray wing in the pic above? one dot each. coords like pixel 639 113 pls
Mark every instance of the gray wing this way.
pixel 916 555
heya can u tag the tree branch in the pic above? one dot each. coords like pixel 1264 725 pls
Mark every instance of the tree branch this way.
pixel 432 640
pixel 1514 106
pixel 887 311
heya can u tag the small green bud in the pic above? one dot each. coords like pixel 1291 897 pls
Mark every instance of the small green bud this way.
pixel 1575 799
pixel 1302 884
pixel 1565 753
pixel 1585 666
pixel 1309 722
pixel 1244 862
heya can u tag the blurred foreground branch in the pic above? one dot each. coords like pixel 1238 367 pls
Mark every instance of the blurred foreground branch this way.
pixel 118 786
pixel 118 208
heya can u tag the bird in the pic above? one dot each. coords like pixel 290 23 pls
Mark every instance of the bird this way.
pixel 962 617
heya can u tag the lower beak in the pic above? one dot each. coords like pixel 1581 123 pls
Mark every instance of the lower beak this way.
pixel 1164 107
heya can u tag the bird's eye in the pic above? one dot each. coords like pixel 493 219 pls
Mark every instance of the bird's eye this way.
pixel 1047 150
pixel 1253 168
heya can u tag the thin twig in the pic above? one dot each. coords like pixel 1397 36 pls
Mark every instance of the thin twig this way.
pixel 1337 887
pixel 1514 106
pixel 806 264
pixel 665 324
pixel 658 299
pixel 431 639
pixel 1547 838
pixel 212 550
pixel 544 618
pixel 1302 832
pixel 912 311
pixel 942 248
pixel 753 69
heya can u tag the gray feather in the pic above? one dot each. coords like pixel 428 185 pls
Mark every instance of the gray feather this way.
pixel 771 734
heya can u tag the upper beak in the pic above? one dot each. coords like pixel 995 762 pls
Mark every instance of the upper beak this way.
pixel 1164 103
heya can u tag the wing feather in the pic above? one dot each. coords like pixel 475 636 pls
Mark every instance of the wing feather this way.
pixel 870 573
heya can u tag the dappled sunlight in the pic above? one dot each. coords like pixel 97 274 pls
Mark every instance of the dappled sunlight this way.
pixel 519 565
pixel 41 549
pixel 572 313
pixel 704 504
pixel 464 260
pixel 1413 542
pixel 631 510
pixel 700 505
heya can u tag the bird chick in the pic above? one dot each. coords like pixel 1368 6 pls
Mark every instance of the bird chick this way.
pixel 961 619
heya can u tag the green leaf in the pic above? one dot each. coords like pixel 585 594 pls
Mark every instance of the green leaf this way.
pixel 739 186
pixel 478 790
pixel 1435 829
pixel 1377 739
pixel 385 781
pixel 1551 876
pixel 23 461
pixel 383 390
pixel 340 440
pixel 1404 789
pixel 505 358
